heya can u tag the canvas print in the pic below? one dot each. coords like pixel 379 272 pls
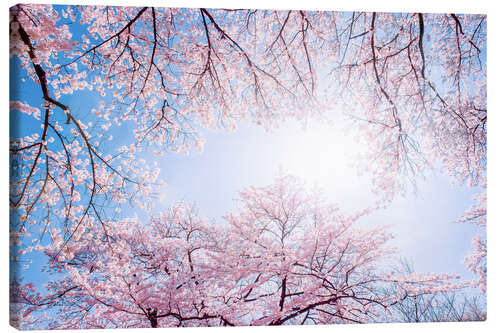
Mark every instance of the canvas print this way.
pixel 178 167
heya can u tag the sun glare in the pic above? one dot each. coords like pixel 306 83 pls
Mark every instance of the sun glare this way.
pixel 324 156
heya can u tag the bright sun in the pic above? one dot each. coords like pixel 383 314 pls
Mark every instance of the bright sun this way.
pixel 323 155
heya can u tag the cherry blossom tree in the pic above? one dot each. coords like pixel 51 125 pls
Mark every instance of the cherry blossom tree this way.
pixel 161 74
pixel 286 256
pixel 476 259
pixel 132 276
pixel 307 263
pixel 444 306
pixel 414 86
pixel 418 83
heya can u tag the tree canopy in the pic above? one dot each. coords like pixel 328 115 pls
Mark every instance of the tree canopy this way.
pixel 412 85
